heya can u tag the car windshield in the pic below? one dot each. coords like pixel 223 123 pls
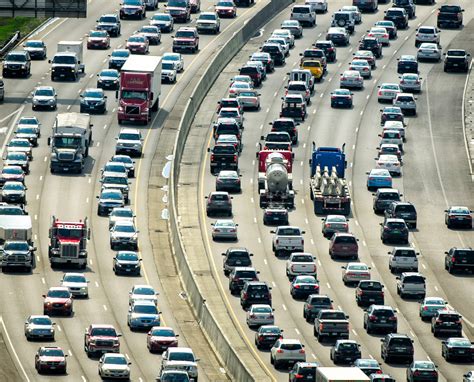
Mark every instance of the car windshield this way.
pixel 62 59
pixel 34 44
pixel 149 30
pixel 16 246
pixel 109 73
pixel 345 240
pixel 52 353
pixel 321 301
pixel 424 365
pixel 225 4
pixel 145 291
pixel 396 225
pixel 104 332
pixel 401 342
pixel 460 211
pixel 383 312
pixel 450 8
pixel 28 121
pixel 162 333
pixel 133 2
pixel 12 170
pixel 348 346
pixel 129 137
pixel 11 211
pixel 369 285
pixel 269 330
pixel 56 293
pixel 406 253
pixel 225 224
pixel 245 274
pixel 44 92
pixel 207 17
pixel 289 232
pixel 115 180
pixel 136 39
pixel 185 34
pixel 111 195
pixel 181 356
pixel 177 3
pixel 121 53
pixel 124 228
pixel 334 316
pixel 98 34
pixel 15 57
pixel 302 258
pixel 13 187
pixel 288 23
pixel 389 196
pixel 26 130
pixel 312 64
pixel 285 346
pixel 132 94
pixel 107 19
pixel 115 360
pixel 343 92
pixel 161 17
pixel 262 309
pixel 456 53
pixel 127 256
pixel 390 87
pixel 367 363
pixel 123 213
pixel 145 309
pixel 40 321
pixel 93 94
pixel 435 301
pixel 305 280
pixel 122 159
pixel 74 279
pixel 414 280
pixel 357 267
pixel 462 342
pixel 168 66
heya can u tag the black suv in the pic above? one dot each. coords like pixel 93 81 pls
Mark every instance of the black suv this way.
pixel 328 48
pixel 239 276
pixel 255 292
pixel 395 230
pixel 459 258
pixel 446 322
pixel 369 292
pixel 17 64
pixel 226 126
pixel 236 257
pixel 407 64
pixel 399 17
pixel 372 44
pixel 110 23
pixel 286 125
pixel 456 60
pixel 219 202
pixel 303 371
pixel 313 304
pixel 450 16
pixel 402 210
pixel 407 5
pixel 380 317
pixel 397 346
pixel 345 351
pixel 275 52
pixel 223 157
pixel 253 72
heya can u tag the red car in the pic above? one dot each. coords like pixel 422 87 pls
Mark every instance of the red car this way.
pixel 101 339
pixel 457 216
pixel 58 300
pixel 226 9
pixel 50 359
pixel 161 338
pixel 138 43
pixel 98 40
pixel 343 245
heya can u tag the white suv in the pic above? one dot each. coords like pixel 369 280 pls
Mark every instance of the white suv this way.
pixel 304 14
pixel 403 258
pixel 129 142
pixel 287 351
pixel 427 34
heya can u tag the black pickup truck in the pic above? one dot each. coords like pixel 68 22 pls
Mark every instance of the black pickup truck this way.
pixel 369 292
pixel 450 16
pixel 224 157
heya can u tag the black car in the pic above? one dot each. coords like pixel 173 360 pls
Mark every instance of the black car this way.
pixel 380 318
pixel 408 5
pixel 219 202
pixel 127 263
pixel 36 49
pixel 313 304
pixel 402 210
pixel 338 37
pixel 93 101
pixel 372 44
pixel 458 348
pixel 303 371
pixel 255 292
pixel 304 286
pixel 275 216
pixel 236 257
pixel 253 72
pixel 422 371
pixel 109 23
pixel 286 125
pixel 407 64
pixel 456 60
pixel 369 292
pixel 459 258
pixel 446 322
pixel 108 79
pixel 17 63
pixel 118 58
pixel 228 180
pixel 345 351
pixel 328 48
pixel 397 346
pixel 275 52
pixel 341 98
pixel 223 157
pixel 239 276
pixel 394 230
pixel 450 16
pixel 399 17
pixel 267 335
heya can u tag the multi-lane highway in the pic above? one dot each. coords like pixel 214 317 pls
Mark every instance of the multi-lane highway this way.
pixel 74 197
pixel 435 175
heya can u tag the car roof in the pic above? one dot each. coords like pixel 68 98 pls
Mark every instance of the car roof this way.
pixel 129 130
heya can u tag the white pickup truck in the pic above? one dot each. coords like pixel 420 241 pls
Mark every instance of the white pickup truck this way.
pixel 300 263
pixel 287 239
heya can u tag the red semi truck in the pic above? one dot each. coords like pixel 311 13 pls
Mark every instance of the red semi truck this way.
pixel 140 88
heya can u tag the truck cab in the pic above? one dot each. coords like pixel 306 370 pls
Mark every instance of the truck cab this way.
pixel 67 63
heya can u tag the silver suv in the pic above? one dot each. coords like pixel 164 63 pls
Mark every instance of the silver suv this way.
pixel 403 258
pixel 129 142
pixel 406 102
pixel 411 284
pixel 304 14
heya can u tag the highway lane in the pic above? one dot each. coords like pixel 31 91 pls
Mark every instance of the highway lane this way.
pixel 327 128
pixel 48 194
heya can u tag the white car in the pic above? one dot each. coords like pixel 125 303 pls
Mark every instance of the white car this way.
pixel 121 214
pixel 427 34
pixel 395 125
pixel 390 149
pixel 294 27
pixel 142 292
pixel 176 58
pixel 114 365
pixel 231 112
pixel 208 22
pixel 260 314
pixel 410 83
pixel 224 230
pixel 428 51
pixel 180 358
pixel 143 314
pixel 285 47
pixel 380 34
pixel 351 79
pixel 239 86
pixel 387 92
pixel 391 163
pixel 164 21
pixel 129 142
pixel 44 97
pixel 169 72
pixel 355 12
pixel 403 259
pixel 354 272
pixel 77 284
pixel 37 326
pixel 242 78
pixel 249 99
pixel 301 263
pixel 362 66
pixel 406 102
pixel 286 34
pixel 124 235
pixel 287 351
pixel 20 145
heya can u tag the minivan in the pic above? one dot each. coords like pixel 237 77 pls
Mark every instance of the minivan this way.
pixel 343 245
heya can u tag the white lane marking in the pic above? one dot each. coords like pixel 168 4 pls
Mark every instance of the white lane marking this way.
pixel 83 378
pixel 357 223
pixel 265 261
pixel 275 94
pixel 406 38
pixel 375 81
pixel 104 60
pixel 383 67
pixel 96 284
pixel 329 286
pixel 10 131
pixel 105 307
pixel 59 328
pixel 354 332
pixel 259 240
pixel 92 75
pixel 13 349
pixel 314 111
pixel 321 95
pixel 339 307
pixel 98 144
pixel 69 107
pixel 87 200
pixel 41 177
pixel 70 352
pixel 339 65
pixel 301 163
pixel 79 91
pixel 368 96
pixel 90 261
pixel 361 112
pixel 284 307
pixel 312 355
pixel 261 126
pixel 273 283
pixel 90 180
pixel 38 259
pixel 424 266
pixel 297 331
pixel 309 127
pixel 268 109
pixel 36 217
pixel 353 147
pixel 10 115
pixel 113 110
pixel 330 79
pixel 319 263
pixel 45 158
pixel 412 334
pixel 37 196
pixel 306 221
pixel 370 355
pixel 43 280
pixel 126 355
pixel 372 264
pixel 364 243
pixel 436 288
pixel 429 359
pixel 255 220
pixel 312 241
pixel 105 126
pixel 251 199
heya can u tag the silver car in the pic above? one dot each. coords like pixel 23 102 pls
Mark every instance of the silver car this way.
pixel 286 34
pixel 410 83
pixel 301 88
pixel 249 99
pixel 285 47
pixel 120 214
pixel 114 365
pixel 351 79
pixel 44 97
pixel 294 27
pixel 395 125
pixel 168 72
pixel 260 314
pixel 354 272
pixel 20 145
pixel 429 51
pixel 362 66
pixel 130 142
pixel 406 102
pixel 391 163
pixel 334 223
pixel 76 283
pixel 427 34
pixel 208 22
pixel 224 229
pixel 164 21
pixel 37 326
pixel 142 292
pixel 152 33
pixel 124 235
pixel 411 284
pixel 143 314
pixel 387 92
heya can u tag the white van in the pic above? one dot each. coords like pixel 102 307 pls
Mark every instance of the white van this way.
pixel 304 14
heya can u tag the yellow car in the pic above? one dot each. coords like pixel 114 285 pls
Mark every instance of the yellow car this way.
pixel 315 67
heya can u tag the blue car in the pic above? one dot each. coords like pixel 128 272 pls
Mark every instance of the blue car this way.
pixel 378 178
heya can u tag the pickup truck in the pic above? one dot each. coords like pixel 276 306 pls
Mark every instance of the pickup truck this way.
pixel 99 339
pixel 369 292
pixel 331 323
pixel 223 157
pixel 300 264
pixel 287 239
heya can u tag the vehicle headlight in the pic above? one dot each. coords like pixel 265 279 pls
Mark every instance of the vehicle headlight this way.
pixel 23 66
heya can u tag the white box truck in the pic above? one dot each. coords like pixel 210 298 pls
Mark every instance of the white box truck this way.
pixel 340 374
pixel 68 62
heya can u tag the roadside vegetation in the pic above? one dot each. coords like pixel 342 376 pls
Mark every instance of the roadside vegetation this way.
pixel 8 26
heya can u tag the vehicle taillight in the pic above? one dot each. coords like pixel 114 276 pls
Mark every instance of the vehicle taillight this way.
pixel 439 321
pixel 235 158
pixel 372 318
pixel 302 351
pixel 379 372
pixel 360 292
pixel 297 287
pixel 277 241
pixel 279 351
pixel 309 306
pixel 393 318
pixel 245 295
pixel 299 376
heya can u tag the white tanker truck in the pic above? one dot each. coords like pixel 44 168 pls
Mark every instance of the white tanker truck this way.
pixel 277 187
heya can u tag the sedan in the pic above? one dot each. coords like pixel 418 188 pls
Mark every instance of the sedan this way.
pixel 387 92
pixel 127 263
pixel 98 40
pixel 138 44
pixel 352 273
pixel 368 366
pixel 108 200
pixel 121 214
pixel 176 58
pixel 17 159
pixel 44 97
pixel 391 113
pixel 410 83
pixel 108 79
pixel 341 98
pixel 231 112
pixel 114 365
pixel 224 230
pixel 267 335
pixel 345 351
pixel 420 371
pixel 20 145
pixel 389 162
pixel 406 102
pixel 124 234
pixel 142 292
pixel 429 51
pixel 152 33
pixel 303 286
pixel 76 283
pixel 249 99
pixel 12 174
pixel 230 139
pixel 430 306
pixel 379 178
pixel 228 180
pixel 29 122
pixel 389 27
pixel 13 192
pixel 367 55
pixel 128 163
pixel 58 300
pixel 362 66
pixel 275 216
pixel 294 27
pixel 457 348
pixel 351 79
pixel 143 315
pixel 390 149
pixel 334 223
pixel 160 338
pixel 50 359
pixel 237 87
pixel 381 34
pixel 260 314
pixel 458 216
pixel 226 9
pixel 93 101
pixel 39 327
pixel 118 58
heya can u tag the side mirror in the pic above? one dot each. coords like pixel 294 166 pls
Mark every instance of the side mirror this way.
pixel 273 231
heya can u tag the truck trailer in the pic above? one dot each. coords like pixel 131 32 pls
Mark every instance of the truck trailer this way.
pixel 68 61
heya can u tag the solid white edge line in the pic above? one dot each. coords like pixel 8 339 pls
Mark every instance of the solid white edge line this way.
pixel 463 116
pixel 13 349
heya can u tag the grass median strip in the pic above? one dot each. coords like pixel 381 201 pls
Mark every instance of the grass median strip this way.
pixel 9 25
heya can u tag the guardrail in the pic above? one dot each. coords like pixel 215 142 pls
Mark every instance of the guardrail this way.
pixel 11 43
pixel 228 355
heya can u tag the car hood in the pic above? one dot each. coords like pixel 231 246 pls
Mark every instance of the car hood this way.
pixel 42 98
pixel 144 316
pixel 107 78
pixel 123 234
pixel 14 62
pixel 176 9
pixel 131 7
pixel 137 297
pixel 93 99
pixel 11 176
pixel 131 262
pixel 46 358
pixel 206 22
pixel 33 49
pixel 111 201
pixel 74 285
pixel 163 339
pixel 97 38
pixel 127 141
pixel 160 22
pixel 114 367
pixel 25 135
pixel 39 327
pixel 13 192
pixel 57 300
